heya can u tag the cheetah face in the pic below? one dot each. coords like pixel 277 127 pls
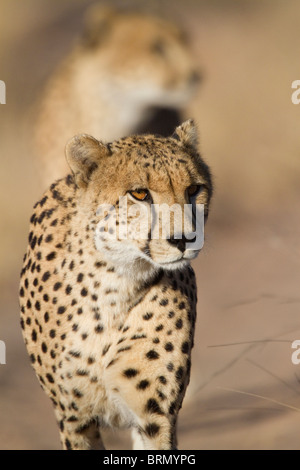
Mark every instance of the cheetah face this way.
pixel 148 58
pixel 143 193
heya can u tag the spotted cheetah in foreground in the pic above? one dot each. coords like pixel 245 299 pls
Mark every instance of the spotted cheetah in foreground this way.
pixel 129 73
pixel 109 324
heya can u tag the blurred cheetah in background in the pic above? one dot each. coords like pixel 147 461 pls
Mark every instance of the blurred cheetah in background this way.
pixel 130 73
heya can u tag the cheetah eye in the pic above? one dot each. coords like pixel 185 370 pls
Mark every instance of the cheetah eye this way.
pixel 140 194
pixel 158 47
pixel 194 190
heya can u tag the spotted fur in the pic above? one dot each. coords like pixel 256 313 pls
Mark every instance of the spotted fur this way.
pixel 109 325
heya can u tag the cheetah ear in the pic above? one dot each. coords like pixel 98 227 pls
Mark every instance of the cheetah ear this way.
pixel 98 20
pixel 187 134
pixel 83 154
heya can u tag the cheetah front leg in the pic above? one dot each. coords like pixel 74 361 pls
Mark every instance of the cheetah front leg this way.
pixel 154 436
pixel 77 436
pixel 147 399
pixel 137 440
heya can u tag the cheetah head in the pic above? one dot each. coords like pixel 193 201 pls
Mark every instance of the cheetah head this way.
pixel 123 186
pixel 147 58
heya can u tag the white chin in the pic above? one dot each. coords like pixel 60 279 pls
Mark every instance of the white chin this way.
pixel 191 254
pixel 181 262
pixel 174 265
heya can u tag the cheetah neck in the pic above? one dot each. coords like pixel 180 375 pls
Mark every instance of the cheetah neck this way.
pixel 117 294
pixel 113 287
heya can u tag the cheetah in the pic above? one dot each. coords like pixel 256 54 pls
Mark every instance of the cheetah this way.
pixel 109 323
pixel 128 73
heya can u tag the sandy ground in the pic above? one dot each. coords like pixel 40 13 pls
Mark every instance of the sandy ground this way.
pixel 245 390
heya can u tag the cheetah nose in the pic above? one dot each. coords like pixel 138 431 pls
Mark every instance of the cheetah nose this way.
pixel 180 243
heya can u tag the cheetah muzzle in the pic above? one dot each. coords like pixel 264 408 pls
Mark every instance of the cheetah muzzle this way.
pixel 109 322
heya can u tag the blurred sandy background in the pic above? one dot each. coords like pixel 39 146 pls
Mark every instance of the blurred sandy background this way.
pixel 249 272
